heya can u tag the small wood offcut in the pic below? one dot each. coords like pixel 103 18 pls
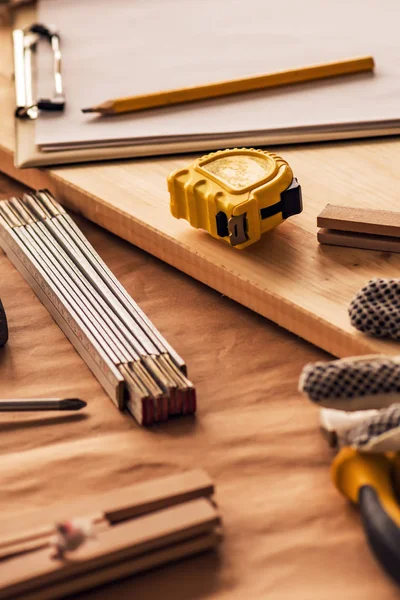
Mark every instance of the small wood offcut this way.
pixel 367 228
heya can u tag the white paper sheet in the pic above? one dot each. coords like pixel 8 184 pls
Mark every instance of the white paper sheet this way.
pixel 115 48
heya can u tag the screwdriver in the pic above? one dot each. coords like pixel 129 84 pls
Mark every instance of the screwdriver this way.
pixel 366 479
pixel 40 404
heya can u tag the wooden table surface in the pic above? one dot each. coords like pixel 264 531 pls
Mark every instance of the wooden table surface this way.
pixel 288 534
pixel 287 276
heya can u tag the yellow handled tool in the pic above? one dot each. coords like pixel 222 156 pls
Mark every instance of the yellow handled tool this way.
pixel 235 195
pixel 367 480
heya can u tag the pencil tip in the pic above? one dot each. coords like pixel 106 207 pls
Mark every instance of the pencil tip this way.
pixel 88 110
pixel 72 404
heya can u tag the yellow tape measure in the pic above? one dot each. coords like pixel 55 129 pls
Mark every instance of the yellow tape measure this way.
pixel 235 195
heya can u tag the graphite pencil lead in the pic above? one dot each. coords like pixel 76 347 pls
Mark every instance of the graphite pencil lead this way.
pixel 72 404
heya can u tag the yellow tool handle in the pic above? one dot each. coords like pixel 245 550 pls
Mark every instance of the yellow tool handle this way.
pixel 234 86
pixel 366 479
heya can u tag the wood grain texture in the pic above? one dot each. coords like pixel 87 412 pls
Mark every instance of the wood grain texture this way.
pixel 365 241
pixel 147 533
pixel 287 277
pixel 111 508
pixel 360 220
pixel 288 534
pixel 127 568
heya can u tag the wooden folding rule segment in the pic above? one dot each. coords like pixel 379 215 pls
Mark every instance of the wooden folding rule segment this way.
pixel 135 529
pixel 136 366
pixel 366 228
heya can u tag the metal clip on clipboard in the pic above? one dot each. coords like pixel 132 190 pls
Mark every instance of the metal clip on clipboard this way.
pixel 25 41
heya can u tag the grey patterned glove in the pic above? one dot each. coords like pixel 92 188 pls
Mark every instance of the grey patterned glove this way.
pixel 376 309
pixel 357 383
pixel 384 426
pixel 365 430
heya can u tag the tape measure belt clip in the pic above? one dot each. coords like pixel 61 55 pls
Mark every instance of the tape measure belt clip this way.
pixel 237 229
pixel 292 200
pixel 290 204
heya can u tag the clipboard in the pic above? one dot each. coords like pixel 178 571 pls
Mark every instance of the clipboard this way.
pixel 28 154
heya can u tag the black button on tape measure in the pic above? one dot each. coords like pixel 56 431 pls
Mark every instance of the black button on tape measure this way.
pixel 3 326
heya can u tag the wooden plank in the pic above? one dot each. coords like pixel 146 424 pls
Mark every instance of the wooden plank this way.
pixel 113 507
pixel 125 568
pixel 287 277
pixel 358 240
pixel 156 494
pixel 360 220
pixel 116 544
pixel 39 537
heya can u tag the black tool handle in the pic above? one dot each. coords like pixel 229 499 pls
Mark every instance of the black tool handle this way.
pixel 3 326
pixel 382 532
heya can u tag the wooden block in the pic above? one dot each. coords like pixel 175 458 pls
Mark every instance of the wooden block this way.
pixel 117 544
pixel 36 539
pixel 360 220
pixel 125 568
pixel 156 494
pixel 358 240
pixel 114 507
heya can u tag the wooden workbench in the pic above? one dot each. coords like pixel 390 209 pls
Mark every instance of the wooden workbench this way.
pixel 288 535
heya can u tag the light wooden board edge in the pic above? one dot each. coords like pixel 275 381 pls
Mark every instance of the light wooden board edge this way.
pixel 121 504
pixel 127 568
pixel 366 221
pixel 364 241
pixel 134 538
pixel 327 336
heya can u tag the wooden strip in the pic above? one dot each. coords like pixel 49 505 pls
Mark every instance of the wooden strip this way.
pixel 116 506
pixel 156 494
pixel 16 549
pixel 121 542
pixel 143 344
pixel 40 538
pixel 126 568
pixel 34 544
pixel 106 373
pixel 358 240
pixel 109 278
pixel 107 317
pixel 360 220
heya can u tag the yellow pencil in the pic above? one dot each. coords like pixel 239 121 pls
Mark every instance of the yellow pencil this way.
pixel 234 86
